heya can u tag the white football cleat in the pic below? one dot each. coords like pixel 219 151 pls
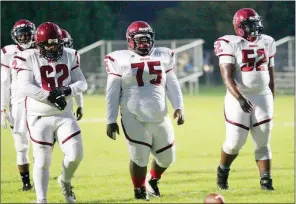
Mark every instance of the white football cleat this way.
pixel 41 201
pixel 67 191
pixel 151 186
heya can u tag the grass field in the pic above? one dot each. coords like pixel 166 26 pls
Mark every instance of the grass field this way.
pixel 103 175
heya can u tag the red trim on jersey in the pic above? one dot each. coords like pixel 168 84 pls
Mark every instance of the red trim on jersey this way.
pixel 225 55
pixel 221 39
pixel 5 66
pixel 75 67
pixel 235 123
pixel 76 53
pixel 131 140
pixel 115 74
pixel 271 56
pixel 19 69
pixel 4 50
pixel 262 122
pixel 69 137
pixel 168 70
pixel 18 57
pixel 165 148
pixel 110 58
pixel 20 48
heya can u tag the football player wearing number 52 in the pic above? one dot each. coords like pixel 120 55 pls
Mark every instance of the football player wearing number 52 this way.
pixel 50 77
pixel 139 79
pixel 247 67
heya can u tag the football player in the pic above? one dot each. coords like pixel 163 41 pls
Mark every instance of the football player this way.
pixel 22 34
pixel 247 68
pixel 68 42
pixel 139 79
pixel 50 76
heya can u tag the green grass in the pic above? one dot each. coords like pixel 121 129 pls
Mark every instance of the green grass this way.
pixel 103 175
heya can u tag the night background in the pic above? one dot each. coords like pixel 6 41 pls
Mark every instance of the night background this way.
pixel 90 21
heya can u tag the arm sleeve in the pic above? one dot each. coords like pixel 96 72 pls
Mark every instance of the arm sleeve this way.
pixel 5 86
pixel 27 87
pixel 174 91
pixel 272 51
pixel 79 83
pixel 113 91
pixel 172 62
pixel 224 51
pixel 79 100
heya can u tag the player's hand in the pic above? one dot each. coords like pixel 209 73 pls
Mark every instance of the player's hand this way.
pixel 79 113
pixel 246 105
pixel 59 91
pixel 60 102
pixel 112 129
pixel 180 115
pixel 4 118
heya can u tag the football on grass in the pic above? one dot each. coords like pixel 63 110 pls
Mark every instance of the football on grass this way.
pixel 214 198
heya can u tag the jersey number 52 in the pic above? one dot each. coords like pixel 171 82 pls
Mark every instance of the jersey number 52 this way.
pixel 140 66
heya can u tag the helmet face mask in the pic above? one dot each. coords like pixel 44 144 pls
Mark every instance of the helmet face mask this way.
pixel 252 26
pixel 22 33
pixel 247 23
pixel 49 41
pixel 140 37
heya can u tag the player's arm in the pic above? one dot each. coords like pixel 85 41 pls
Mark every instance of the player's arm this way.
pixel 174 92
pixel 271 66
pixel 5 86
pixel 227 67
pixel 113 91
pixel 26 81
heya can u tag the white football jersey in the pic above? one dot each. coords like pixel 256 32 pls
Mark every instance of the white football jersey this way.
pixel 9 84
pixel 143 83
pixel 251 60
pixel 38 76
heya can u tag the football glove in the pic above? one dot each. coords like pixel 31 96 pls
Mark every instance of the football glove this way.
pixel 180 115
pixel 60 102
pixel 111 130
pixel 60 91
pixel 79 113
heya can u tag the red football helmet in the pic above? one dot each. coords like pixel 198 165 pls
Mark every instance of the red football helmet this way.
pixel 49 40
pixel 140 37
pixel 68 40
pixel 22 33
pixel 247 23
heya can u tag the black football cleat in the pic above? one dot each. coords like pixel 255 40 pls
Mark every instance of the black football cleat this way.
pixel 266 184
pixel 140 193
pixel 27 187
pixel 151 185
pixel 222 179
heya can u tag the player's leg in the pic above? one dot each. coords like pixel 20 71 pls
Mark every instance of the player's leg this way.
pixel 261 133
pixel 22 144
pixel 163 150
pixel 41 133
pixel 69 137
pixel 237 127
pixel 139 142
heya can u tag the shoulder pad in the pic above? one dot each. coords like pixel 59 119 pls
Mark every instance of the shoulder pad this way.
pixel 10 49
pixel 267 37
pixel 164 50
pixel 230 38
pixel 118 54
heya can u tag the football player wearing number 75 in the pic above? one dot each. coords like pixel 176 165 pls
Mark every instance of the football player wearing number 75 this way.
pixel 247 68
pixel 50 77
pixel 139 79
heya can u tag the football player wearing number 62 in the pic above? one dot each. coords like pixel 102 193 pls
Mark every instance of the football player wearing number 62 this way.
pixel 247 67
pixel 139 79
pixel 50 76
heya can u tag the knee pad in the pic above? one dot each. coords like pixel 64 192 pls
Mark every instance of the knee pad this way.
pixel 42 157
pixel 263 153
pixel 235 139
pixel 166 158
pixel 74 152
pixel 22 157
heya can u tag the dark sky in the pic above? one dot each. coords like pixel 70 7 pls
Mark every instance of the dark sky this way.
pixel 140 11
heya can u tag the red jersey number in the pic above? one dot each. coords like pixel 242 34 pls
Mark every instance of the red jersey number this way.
pixel 251 61
pixel 140 66
pixel 49 83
